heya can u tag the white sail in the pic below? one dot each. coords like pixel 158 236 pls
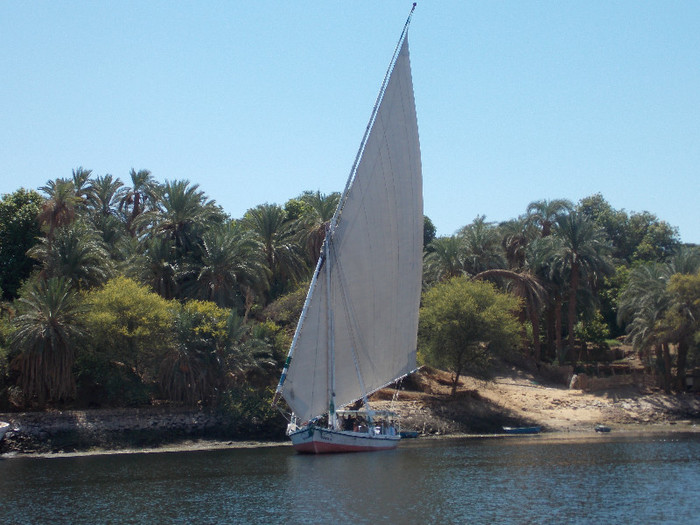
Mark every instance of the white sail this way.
pixel 375 264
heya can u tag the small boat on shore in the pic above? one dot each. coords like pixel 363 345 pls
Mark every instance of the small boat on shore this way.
pixel 522 430
pixel 4 427
pixel 602 428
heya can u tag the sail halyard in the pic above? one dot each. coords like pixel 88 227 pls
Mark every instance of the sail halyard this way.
pixel 380 210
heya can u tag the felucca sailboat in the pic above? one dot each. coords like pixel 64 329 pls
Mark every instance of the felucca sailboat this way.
pixel 358 328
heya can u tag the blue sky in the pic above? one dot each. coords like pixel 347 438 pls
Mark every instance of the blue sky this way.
pixel 259 101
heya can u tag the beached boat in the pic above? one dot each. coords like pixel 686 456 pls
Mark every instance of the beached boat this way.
pixel 602 428
pixel 522 430
pixel 358 328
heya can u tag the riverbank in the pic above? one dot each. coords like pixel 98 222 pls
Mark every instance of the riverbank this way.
pixel 514 397
pixel 517 397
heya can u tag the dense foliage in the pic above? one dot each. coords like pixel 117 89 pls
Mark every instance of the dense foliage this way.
pixel 128 293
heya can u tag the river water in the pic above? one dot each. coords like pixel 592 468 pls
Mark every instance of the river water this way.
pixel 529 479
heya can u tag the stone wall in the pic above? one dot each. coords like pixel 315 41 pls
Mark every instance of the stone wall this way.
pixel 110 428
pixel 595 384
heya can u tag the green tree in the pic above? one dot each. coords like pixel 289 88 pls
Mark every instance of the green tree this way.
pixel 658 239
pixel 277 236
pixel 48 327
pixel 184 212
pixel 256 352
pixel 192 371
pixel 104 194
pixel 77 254
pixel 138 199
pixel 657 306
pixel 233 270
pixel 532 294
pixel 641 305
pixel 482 246
pixel 81 186
pixel 541 262
pixel 60 207
pixel 316 214
pixel 634 236
pixel 131 325
pixel 156 266
pixel 545 213
pixel 429 231
pixel 19 231
pixel 515 236
pixel 581 251
pixel 464 324
pixel 444 259
pixel 681 321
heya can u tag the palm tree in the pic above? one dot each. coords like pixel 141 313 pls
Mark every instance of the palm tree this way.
pixel 183 213
pixel 191 371
pixel 581 251
pixel 545 213
pixel 539 261
pixel 156 267
pixel 232 266
pixel 277 236
pixel 250 357
pixel 681 322
pixel 444 259
pixel 515 236
pixel 139 198
pixel 315 220
pixel 104 194
pixel 533 294
pixel 482 249
pixel 60 207
pixel 47 329
pixel 81 186
pixel 103 200
pixel 77 254
pixel 655 314
pixel 641 305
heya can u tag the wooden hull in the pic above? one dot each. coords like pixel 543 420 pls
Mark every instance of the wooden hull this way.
pixel 316 440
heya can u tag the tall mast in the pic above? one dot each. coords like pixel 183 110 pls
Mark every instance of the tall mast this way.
pixel 331 338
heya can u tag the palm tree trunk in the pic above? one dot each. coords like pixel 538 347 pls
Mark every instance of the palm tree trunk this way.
pixel 572 303
pixel 667 368
pixel 551 332
pixel 659 365
pixel 249 301
pixel 682 360
pixel 557 328
pixel 535 321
